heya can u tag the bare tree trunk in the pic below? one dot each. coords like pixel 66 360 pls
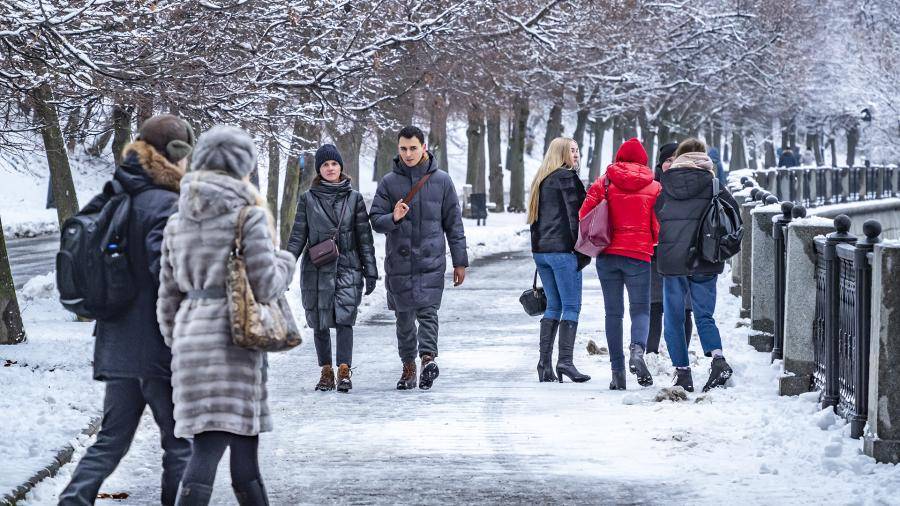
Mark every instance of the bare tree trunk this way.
pixel 833 148
pixel 121 118
pixel 708 134
pixel 769 150
pixel 554 121
pixel 717 136
pixel 291 183
pixel 738 155
pixel 144 110
pixel 72 129
pixel 646 135
pixel 600 127
pixel 785 137
pixel 752 163
pixel 350 144
pixel 274 174
pixel 11 331
pixel 618 133
pixel 852 143
pixel 384 154
pixel 100 142
pixel 817 149
pixel 629 127
pixel 437 133
pixel 475 142
pixel 792 135
pixel 583 115
pixel 57 158
pixel 515 163
pixel 495 167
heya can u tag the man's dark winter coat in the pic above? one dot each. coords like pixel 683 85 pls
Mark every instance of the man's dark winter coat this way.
pixel 416 246
pixel 686 193
pixel 130 345
pixel 332 293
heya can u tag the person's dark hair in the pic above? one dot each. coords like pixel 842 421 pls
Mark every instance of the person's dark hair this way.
pixel 410 132
pixel 690 145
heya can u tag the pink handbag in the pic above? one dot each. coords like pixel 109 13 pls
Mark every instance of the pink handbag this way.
pixel 594 233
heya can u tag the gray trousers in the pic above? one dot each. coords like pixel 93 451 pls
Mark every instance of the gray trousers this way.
pixel 423 339
pixel 344 338
pixel 123 406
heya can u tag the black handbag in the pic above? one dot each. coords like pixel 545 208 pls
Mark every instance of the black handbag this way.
pixel 327 251
pixel 534 300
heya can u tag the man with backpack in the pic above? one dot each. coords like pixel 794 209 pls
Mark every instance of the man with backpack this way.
pixel 695 238
pixel 129 354
pixel 416 206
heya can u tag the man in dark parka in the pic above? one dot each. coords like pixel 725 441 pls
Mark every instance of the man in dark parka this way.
pixel 130 355
pixel 416 250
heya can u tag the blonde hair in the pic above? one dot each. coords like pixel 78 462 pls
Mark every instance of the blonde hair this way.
pixel 557 157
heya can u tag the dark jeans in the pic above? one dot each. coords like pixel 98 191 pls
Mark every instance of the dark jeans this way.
pixel 703 298
pixel 618 273
pixel 562 285
pixel 344 339
pixel 656 320
pixel 208 449
pixel 423 339
pixel 123 406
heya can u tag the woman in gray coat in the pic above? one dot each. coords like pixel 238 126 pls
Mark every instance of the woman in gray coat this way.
pixel 332 293
pixel 219 389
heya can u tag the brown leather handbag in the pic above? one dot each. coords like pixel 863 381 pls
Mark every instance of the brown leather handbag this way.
pixel 255 325
pixel 327 251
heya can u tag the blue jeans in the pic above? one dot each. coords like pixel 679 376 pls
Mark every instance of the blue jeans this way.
pixel 562 284
pixel 702 291
pixel 617 273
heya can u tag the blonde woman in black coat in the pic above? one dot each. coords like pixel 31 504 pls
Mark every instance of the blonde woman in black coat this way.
pixel 332 293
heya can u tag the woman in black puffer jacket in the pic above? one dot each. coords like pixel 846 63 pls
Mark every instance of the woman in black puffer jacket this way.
pixel 332 293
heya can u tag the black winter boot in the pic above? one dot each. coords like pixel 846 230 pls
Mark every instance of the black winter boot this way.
pixel 719 372
pixel 618 380
pixel 548 336
pixel 193 494
pixel 684 379
pixel 251 494
pixel 638 367
pixel 564 365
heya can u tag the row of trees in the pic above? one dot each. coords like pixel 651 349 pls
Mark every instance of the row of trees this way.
pixel 86 73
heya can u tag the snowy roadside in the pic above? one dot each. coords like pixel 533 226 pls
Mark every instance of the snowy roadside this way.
pixel 49 395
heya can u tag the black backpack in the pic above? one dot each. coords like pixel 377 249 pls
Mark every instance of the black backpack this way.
pixel 93 274
pixel 720 232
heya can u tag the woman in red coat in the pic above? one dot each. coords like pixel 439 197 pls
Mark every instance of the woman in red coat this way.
pixel 631 191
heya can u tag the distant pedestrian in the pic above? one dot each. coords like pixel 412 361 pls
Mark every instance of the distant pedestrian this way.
pixel 631 192
pixel 332 292
pixel 788 159
pixel 417 208
pixel 720 169
pixel 219 387
pixel 665 159
pixel 557 194
pixel 130 356
pixel 687 188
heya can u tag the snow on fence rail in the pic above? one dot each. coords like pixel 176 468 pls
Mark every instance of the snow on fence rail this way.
pixel 822 299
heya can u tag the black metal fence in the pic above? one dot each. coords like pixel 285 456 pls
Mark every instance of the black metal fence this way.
pixel 818 186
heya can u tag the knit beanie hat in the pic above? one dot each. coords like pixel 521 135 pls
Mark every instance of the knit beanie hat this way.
pixel 665 152
pixel 632 151
pixel 225 148
pixel 169 135
pixel 326 153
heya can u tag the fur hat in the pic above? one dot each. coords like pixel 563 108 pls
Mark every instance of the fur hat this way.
pixel 169 135
pixel 632 151
pixel 326 153
pixel 225 148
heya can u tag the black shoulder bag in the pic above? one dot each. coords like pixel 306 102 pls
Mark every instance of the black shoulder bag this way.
pixel 534 300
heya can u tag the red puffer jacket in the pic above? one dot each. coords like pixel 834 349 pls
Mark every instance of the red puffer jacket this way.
pixel 632 195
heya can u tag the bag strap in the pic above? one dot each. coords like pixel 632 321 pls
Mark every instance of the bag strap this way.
pixel 715 185
pixel 606 187
pixel 415 189
pixel 534 283
pixel 239 230
pixel 337 230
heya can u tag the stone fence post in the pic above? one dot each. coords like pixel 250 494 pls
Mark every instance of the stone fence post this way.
pixel 882 438
pixel 762 297
pixel 799 321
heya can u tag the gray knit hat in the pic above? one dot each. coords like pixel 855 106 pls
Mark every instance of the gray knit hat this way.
pixel 225 148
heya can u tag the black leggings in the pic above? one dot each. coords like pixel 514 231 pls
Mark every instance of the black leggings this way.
pixel 656 318
pixel 208 450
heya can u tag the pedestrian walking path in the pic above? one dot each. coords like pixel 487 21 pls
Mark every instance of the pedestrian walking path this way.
pixel 488 432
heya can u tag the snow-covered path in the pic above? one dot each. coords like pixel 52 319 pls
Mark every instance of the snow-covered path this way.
pixel 490 433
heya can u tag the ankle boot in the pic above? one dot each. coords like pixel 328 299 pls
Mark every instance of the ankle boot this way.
pixel 193 494
pixel 564 365
pixel 343 380
pixel 618 380
pixel 252 493
pixel 326 381
pixel 548 336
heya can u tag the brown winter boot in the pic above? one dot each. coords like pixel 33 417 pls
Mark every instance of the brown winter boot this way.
pixel 326 382
pixel 344 384
pixel 429 373
pixel 408 379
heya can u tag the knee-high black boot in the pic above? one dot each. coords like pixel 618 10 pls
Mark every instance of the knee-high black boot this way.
pixel 548 336
pixel 653 337
pixel 564 365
